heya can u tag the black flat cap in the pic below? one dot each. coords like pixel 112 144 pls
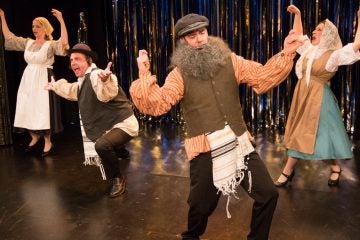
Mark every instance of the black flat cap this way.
pixel 190 23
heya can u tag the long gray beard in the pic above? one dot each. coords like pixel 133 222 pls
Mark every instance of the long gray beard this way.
pixel 201 63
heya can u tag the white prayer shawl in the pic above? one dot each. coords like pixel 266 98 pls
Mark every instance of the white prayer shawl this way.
pixel 227 153
pixel 91 156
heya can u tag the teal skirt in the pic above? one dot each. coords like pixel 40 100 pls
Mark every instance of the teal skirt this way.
pixel 332 141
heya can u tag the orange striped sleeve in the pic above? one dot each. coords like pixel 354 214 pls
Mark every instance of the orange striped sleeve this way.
pixel 150 98
pixel 262 77
pixel 196 145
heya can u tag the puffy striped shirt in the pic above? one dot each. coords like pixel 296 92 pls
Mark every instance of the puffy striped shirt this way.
pixel 154 100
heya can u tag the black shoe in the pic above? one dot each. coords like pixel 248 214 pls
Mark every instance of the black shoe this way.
pixel 288 180
pixel 189 238
pixel 29 149
pixel 47 153
pixel 334 183
pixel 118 186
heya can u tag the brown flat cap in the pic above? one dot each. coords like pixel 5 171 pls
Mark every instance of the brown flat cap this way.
pixel 84 49
pixel 190 23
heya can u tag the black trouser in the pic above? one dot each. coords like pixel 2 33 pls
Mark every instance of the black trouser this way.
pixel 106 146
pixel 203 197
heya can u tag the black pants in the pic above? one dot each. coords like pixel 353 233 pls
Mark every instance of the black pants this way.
pixel 107 146
pixel 203 197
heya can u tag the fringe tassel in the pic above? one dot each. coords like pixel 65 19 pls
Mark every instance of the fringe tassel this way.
pixel 227 207
pixel 102 172
pixel 250 181
pixel 230 189
pixel 96 160
pixel 91 157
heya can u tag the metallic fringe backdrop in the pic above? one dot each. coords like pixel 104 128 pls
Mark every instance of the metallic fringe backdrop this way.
pixel 5 124
pixel 254 29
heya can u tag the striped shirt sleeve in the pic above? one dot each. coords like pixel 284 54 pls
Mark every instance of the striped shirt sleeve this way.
pixel 154 100
pixel 262 77
pixel 196 145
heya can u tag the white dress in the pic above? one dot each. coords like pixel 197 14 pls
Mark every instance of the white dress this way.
pixel 33 107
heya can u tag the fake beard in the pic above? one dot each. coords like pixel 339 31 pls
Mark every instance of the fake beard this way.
pixel 202 62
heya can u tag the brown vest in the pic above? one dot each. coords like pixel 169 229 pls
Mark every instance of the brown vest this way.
pixel 97 116
pixel 208 104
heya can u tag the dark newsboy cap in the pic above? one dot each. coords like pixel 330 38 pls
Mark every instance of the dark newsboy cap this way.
pixel 190 23
pixel 84 49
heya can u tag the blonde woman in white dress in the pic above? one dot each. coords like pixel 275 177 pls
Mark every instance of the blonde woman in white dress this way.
pixel 37 110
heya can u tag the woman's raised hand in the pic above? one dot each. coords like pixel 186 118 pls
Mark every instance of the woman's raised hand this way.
pixel 2 12
pixel 293 9
pixel 57 14
pixel 357 34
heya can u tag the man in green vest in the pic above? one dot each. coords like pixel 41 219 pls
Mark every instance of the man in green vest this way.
pixel 204 78
pixel 106 113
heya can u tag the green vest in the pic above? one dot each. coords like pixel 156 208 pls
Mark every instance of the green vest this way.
pixel 97 116
pixel 208 104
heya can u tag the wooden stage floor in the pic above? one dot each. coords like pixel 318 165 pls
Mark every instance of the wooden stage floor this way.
pixel 58 198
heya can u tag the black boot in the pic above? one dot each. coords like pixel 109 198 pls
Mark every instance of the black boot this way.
pixel 118 186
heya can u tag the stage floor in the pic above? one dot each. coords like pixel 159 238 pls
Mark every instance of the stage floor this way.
pixel 58 198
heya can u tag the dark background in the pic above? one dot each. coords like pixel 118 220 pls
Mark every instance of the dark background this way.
pixel 19 15
pixel 254 29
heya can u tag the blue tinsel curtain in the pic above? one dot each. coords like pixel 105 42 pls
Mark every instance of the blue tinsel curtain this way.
pixel 254 29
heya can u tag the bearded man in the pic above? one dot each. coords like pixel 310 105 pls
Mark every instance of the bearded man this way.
pixel 205 79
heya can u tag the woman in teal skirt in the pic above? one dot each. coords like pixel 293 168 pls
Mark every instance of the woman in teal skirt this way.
pixel 314 129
